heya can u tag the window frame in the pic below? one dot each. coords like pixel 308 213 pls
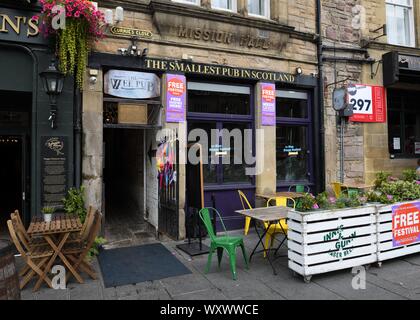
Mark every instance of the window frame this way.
pixel 411 18
pixel 234 6
pixel 298 122
pixel 403 111
pixel 220 120
pixel 195 3
pixel 266 15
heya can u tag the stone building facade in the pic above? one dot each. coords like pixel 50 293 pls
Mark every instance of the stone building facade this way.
pixel 233 49
pixel 208 46
pixel 354 46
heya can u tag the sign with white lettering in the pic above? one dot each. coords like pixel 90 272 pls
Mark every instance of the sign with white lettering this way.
pixel 268 104
pixel 176 96
pixel 131 85
pixel 368 103
pixel 405 224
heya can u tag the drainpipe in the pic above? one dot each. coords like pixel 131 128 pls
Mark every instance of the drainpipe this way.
pixel 321 159
pixel 77 137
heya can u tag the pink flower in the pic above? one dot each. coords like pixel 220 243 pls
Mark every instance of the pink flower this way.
pixel 316 206
pixel 35 18
pixel 332 200
pixel 389 197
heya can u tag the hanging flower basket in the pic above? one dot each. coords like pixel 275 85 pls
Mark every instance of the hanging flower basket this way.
pixel 82 26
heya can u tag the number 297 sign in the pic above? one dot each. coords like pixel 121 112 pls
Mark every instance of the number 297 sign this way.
pixel 368 103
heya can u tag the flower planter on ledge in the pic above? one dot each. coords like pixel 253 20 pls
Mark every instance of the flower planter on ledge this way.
pixel 324 241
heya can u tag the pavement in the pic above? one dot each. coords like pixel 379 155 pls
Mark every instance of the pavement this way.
pixel 397 279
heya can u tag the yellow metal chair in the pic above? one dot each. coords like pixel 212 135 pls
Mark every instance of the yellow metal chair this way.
pixel 337 188
pixel 245 205
pixel 279 227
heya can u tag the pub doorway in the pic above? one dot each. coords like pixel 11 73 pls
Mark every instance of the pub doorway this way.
pixel 14 156
pixel 125 188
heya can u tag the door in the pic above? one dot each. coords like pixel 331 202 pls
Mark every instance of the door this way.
pixel 14 177
pixel 221 119
pixel 294 156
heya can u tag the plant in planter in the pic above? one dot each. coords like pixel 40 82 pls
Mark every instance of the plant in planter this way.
pixel 307 203
pixel 74 203
pixel 48 212
pixel 409 175
pixel 83 25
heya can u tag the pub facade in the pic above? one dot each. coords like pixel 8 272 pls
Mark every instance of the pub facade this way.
pixel 37 161
pixel 200 67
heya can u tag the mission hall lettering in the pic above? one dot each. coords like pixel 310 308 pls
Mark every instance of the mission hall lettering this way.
pixel 223 37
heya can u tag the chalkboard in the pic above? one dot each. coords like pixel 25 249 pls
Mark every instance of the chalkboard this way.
pixel 194 179
pixel 54 168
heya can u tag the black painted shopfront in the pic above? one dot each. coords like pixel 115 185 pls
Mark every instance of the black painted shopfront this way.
pixel 37 162
pixel 402 79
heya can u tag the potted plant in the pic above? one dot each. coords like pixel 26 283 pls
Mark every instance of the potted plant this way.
pixel 48 212
pixel 83 26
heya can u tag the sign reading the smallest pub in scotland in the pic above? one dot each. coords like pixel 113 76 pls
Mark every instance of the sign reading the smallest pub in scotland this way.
pixel 368 103
pixel 405 224
pixel 132 85
pixel 268 104
pixel 175 97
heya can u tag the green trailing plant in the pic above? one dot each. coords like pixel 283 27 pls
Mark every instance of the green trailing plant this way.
pixel 74 203
pixel 409 175
pixel 48 210
pixel 83 26
pixel 94 251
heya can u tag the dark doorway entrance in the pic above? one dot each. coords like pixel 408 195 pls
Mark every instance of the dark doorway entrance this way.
pixel 14 156
pixel 124 184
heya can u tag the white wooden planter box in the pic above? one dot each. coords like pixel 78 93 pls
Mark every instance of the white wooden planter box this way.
pixel 386 250
pixel 324 241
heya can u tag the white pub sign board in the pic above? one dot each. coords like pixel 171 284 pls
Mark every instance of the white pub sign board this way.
pixel 131 84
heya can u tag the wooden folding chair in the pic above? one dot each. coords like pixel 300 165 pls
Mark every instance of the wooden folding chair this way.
pixel 84 233
pixel 20 228
pixel 34 257
pixel 77 252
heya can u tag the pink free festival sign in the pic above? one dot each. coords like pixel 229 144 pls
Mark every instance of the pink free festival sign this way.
pixel 176 93
pixel 268 104
pixel 405 224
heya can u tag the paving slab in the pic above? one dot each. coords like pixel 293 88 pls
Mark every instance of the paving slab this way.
pixel 340 282
pixel 209 294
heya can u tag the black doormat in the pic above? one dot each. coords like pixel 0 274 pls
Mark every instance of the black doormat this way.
pixel 133 265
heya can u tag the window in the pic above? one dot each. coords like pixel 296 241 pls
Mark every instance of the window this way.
pixel 400 22
pixel 293 147
pixel 403 123
pixel 260 8
pixel 196 2
pixel 213 108
pixel 229 5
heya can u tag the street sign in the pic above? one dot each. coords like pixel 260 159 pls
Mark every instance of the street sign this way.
pixel 368 103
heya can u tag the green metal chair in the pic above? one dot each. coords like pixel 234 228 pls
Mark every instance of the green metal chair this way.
pixel 218 243
pixel 300 188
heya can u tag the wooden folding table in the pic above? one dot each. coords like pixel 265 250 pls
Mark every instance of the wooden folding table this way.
pixel 56 233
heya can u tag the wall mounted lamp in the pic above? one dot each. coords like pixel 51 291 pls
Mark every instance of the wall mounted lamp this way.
pixel 53 81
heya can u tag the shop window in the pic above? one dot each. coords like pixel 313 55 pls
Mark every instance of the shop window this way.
pixel 218 99
pixel 400 22
pixel 195 2
pixel 260 8
pixel 293 147
pixel 229 5
pixel 292 153
pixel 403 123
pixel 217 107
